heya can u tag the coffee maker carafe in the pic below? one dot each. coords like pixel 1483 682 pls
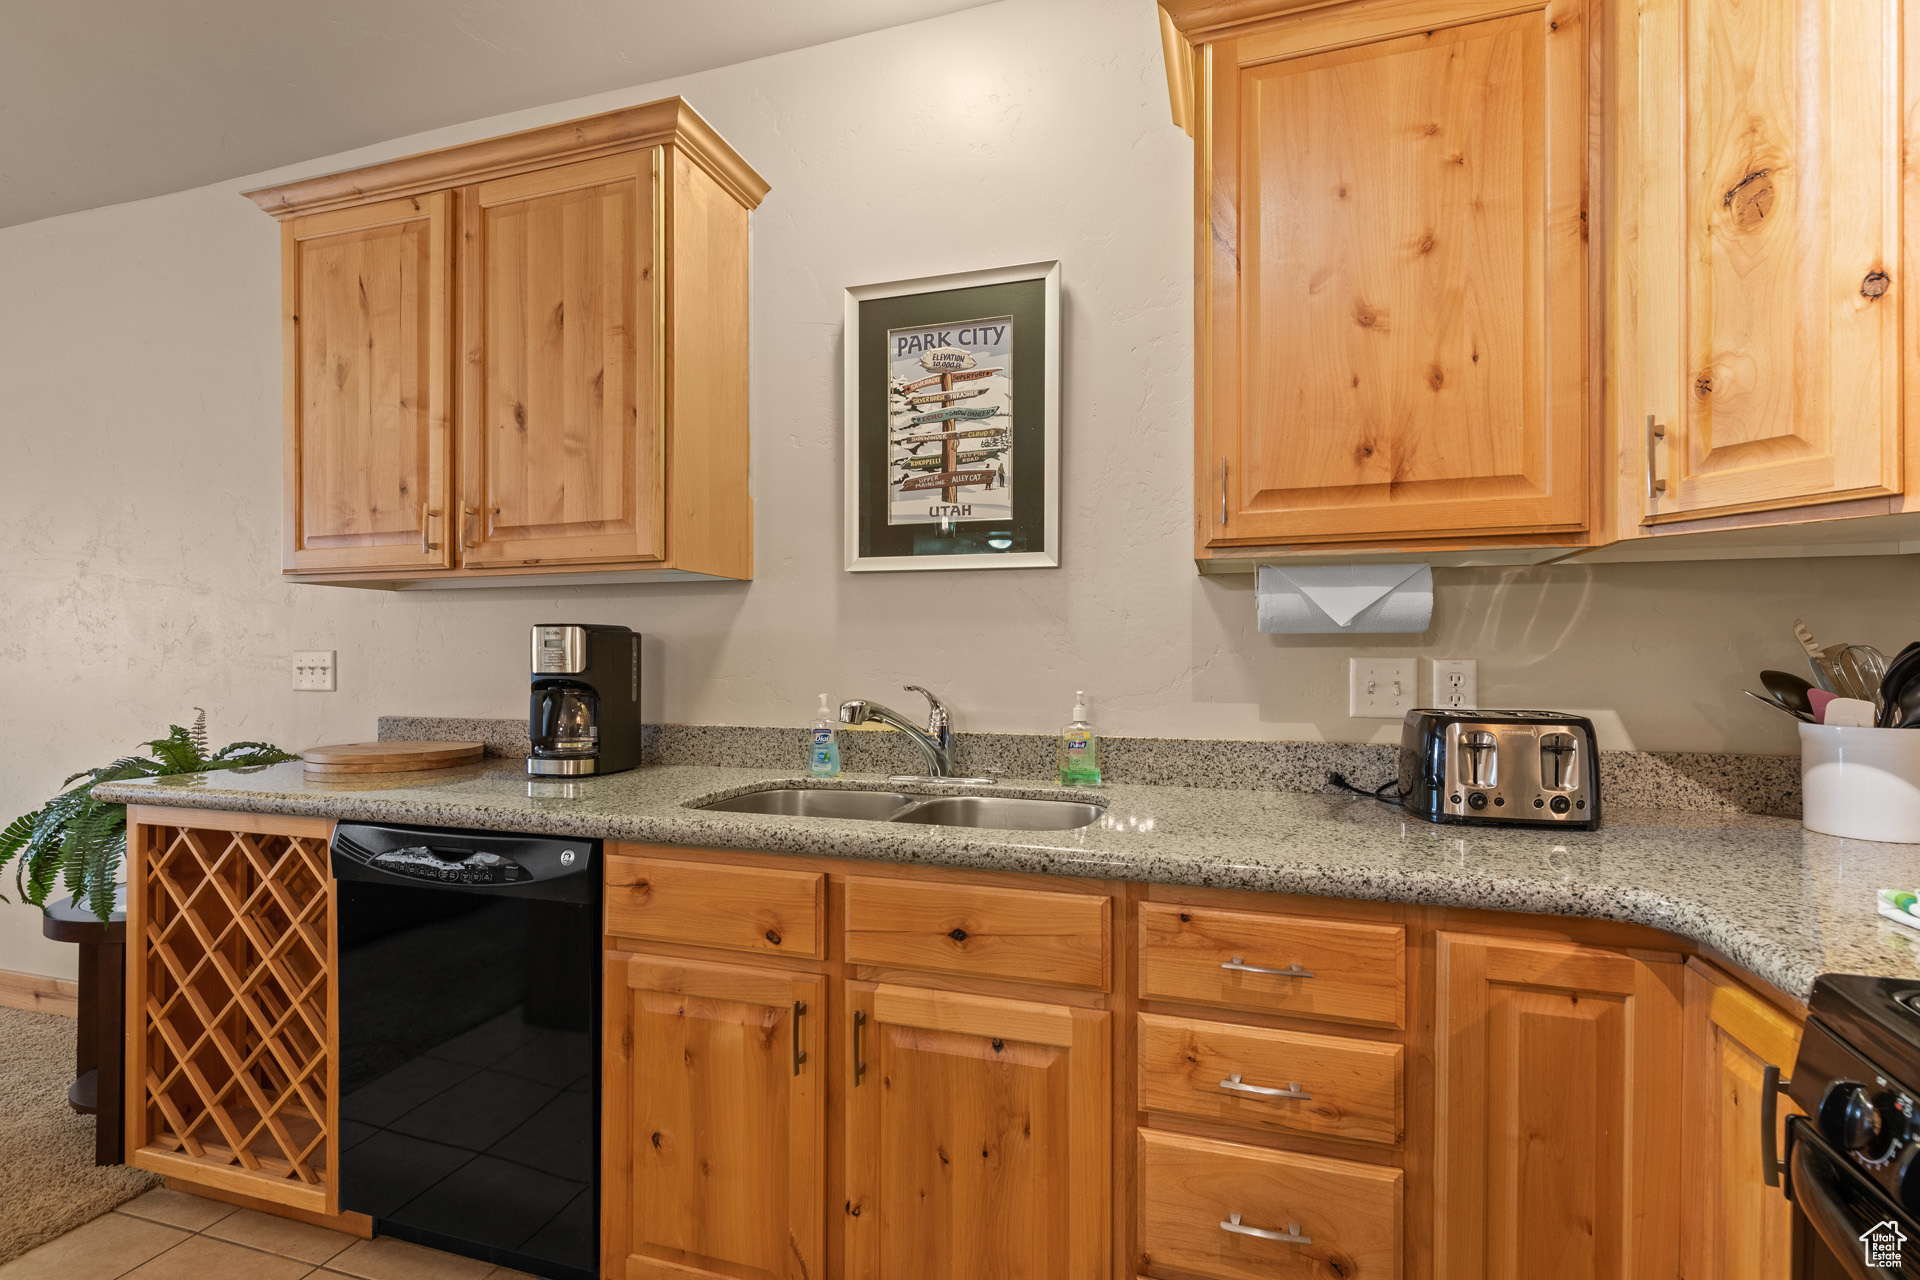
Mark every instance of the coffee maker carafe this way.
pixel 583 715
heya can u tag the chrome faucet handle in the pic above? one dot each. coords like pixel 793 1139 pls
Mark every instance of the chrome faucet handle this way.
pixel 938 720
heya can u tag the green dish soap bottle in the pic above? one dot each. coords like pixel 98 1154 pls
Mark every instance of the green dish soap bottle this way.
pixel 1078 755
pixel 823 748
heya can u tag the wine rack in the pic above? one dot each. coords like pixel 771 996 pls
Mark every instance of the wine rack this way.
pixel 232 1054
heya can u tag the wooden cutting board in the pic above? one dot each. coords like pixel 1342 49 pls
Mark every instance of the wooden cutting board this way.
pixel 390 757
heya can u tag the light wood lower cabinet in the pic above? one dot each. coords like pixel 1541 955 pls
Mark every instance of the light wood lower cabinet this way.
pixel 1287 1081
pixel 1240 1213
pixel 1507 1098
pixel 1735 1227
pixel 715 1121
pixel 1556 1111
pixel 978 1135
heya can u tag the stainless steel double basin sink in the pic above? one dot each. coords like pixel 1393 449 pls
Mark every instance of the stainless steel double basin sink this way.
pixel 1002 813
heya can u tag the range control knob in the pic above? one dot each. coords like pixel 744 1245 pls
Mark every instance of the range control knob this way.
pixel 1909 1179
pixel 1862 1123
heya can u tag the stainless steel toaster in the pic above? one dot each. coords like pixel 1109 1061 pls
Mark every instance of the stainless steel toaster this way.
pixel 1500 767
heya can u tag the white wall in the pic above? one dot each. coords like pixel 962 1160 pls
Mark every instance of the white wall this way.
pixel 140 464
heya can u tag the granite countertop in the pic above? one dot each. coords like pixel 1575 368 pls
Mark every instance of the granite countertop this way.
pixel 1783 902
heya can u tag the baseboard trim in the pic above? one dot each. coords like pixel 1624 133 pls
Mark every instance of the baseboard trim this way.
pixel 41 995
pixel 354 1224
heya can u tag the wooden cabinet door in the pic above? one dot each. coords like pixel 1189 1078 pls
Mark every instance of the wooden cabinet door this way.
pixel 714 1121
pixel 367 308
pixel 1736 1227
pixel 1393 274
pixel 1769 187
pixel 1557 1134
pixel 978 1137
pixel 559 413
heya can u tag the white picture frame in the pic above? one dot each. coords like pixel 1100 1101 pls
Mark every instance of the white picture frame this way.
pixel 873 500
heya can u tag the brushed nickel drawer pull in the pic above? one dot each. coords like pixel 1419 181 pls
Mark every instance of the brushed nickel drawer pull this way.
pixel 859 1055
pixel 799 1054
pixel 1239 965
pixel 1292 1090
pixel 1290 1236
pixel 1223 489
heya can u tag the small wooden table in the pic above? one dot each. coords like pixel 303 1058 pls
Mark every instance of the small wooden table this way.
pixel 100 1053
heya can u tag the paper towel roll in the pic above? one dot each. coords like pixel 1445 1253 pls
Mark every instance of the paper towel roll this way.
pixel 1316 599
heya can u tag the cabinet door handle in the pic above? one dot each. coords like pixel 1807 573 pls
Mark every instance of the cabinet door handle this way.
pixel 1292 1090
pixel 1290 1236
pixel 427 517
pixel 467 513
pixel 859 1055
pixel 1655 432
pixel 1239 965
pixel 1771 1087
pixel 799 1054
pixel 1223 489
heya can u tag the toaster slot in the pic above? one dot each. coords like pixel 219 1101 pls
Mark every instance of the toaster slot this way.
pixel 1479 758
pixel 1559 762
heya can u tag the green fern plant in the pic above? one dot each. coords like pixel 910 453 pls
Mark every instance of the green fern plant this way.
pixel 77 841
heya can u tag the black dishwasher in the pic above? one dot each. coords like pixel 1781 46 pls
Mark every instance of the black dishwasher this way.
pixel 469 1042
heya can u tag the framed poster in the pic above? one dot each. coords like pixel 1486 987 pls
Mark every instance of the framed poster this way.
pixel 953 421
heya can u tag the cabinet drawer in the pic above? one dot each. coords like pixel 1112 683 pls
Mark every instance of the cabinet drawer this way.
pixel 710 905
pixel 1346 1215
pixel 1285 1080
pixel 1334 970
pixel 1057 938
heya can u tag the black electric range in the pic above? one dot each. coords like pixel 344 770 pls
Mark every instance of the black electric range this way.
pixel 1853 1161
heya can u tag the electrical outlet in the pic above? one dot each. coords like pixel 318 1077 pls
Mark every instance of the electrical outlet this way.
pixel 313 670
pixel 1456 684
pixel 1380 688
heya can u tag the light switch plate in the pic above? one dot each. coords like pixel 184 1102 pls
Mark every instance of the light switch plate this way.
pixel 1456 684
pixel 1380 688
pixel 313 670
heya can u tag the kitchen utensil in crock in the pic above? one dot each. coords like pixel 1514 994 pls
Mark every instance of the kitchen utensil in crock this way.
pixel 1789 690
pixel 1858 670
pixel 1903 673
pixel 1804 717
pixel 1816 657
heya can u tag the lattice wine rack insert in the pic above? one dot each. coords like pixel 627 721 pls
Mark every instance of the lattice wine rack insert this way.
pixel 237 927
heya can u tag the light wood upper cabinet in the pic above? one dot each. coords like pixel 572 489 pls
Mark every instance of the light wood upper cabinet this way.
pixel 367 298
pixel 1393 297
pixel 559 400
pixel 1735 1227
pixel 1768 188
pixel 589 281
pixel 978 1137
pixel 1557 1121
pixel 714 1121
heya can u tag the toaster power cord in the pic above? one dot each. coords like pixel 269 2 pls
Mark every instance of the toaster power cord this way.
pixel 1385 793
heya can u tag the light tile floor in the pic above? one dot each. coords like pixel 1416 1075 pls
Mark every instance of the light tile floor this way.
pixel 169 1235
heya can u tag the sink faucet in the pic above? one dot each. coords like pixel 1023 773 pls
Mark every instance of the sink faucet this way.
pixel 936 743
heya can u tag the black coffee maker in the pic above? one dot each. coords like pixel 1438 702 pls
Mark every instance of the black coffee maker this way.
pixel 584 713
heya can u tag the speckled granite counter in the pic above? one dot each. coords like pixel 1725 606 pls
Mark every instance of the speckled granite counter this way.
pixel 1783 902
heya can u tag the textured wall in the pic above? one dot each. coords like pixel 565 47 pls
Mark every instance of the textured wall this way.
pixel 140 464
